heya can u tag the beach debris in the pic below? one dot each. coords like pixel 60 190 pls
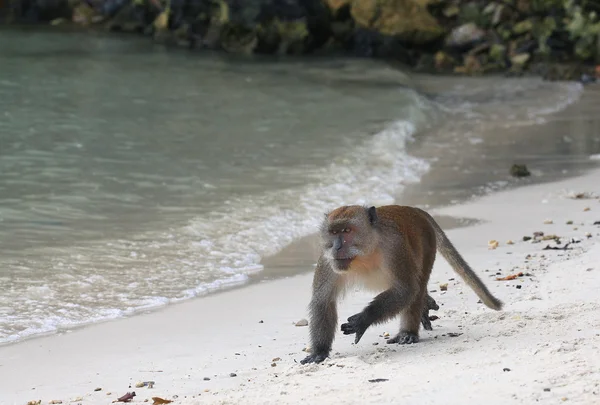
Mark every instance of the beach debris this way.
pixel 444 287
pixel 510 277
pixel 261 321
pixel 565 247
pixel 126 398
pixel 302 322
pixel 597 223
pixel 547 389
pixel 77 399
pixel 276 359
pixel 510 242
pixel 569 222
pixel 159 400
pixel 519 286
pixel 307 349
pixel 588 235
pixel 55 401
pixel 581 196
pixel 97 389
pixel 386 334
pixel 526 238
pixel 453 334
pixel 548 221
pixel 232 375
pixel 273 364
pixel 586 209
pixel 376 380
pixel 37 402
pixel 493 244
pixel 517 170
pixel 149 384
pixel 506 369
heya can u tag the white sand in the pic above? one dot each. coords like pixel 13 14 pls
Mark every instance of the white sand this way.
pixel 548 335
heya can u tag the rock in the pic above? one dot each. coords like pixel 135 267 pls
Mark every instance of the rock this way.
pixel 522 27
pixel 451 11
pixel 517 170
pixel 232 375
pixel 498 53
pixel 519 60
pixel 464 36
pixel 336 5
pixel 471 65
pixel 444 287
pixel 302 322
pixel 443 61
pixel 493 244
pixel 407 20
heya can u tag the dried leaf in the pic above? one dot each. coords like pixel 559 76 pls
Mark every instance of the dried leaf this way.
pixel 159 400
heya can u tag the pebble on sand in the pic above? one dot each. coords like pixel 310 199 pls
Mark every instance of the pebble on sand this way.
pixel 548 221
pixel 444 287
pixel 302 322
pixel 493 244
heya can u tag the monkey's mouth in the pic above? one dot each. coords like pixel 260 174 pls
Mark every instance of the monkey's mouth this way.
pixel 343 264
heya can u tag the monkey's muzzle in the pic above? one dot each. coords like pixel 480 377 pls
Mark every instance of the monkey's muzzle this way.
pixel 343 264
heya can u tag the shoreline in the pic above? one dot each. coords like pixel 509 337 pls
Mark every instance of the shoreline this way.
pixel 217 335
pixel 298 257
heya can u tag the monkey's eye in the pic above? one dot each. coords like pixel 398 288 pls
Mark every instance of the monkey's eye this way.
pixel 346 230
pixel 334 232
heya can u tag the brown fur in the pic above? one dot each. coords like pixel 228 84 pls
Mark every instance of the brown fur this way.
pixel 391 250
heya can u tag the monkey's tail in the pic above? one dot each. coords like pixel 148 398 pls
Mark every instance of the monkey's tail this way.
pixel 462 268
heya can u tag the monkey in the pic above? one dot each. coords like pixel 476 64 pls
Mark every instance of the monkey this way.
pixel 390 249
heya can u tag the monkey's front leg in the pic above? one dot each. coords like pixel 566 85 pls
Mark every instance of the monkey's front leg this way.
pixel 323 313
pixel 384 306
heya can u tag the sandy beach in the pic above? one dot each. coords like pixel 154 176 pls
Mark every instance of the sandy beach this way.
pixel 242 347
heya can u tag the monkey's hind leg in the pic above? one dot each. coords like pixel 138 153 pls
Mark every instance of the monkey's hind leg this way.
pixel 429 305
pixel 410 322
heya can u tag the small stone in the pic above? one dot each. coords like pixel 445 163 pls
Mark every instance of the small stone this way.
pixel 375 343
pixel 273 364
pixel 510 242
pixel 307 349
pixel 206 378
pixel 276 359
pixel 302 322
pixel 261 321
pixel 493 244
pixel 587 209
pixel 519 286
pixel 547 389
pixel 563 399
pixel 465 34
pixel 232 375
pixel 77 399
pixel 385 334
pixel 444 287
pixel 588 235
pixel 139 384
pixel 548 221
pixel 506 369
pixel 569 222
pixel 517 170
pixel 526 238
pixel 55 401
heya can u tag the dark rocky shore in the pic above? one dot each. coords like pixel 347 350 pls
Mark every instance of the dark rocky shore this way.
pixel 558 39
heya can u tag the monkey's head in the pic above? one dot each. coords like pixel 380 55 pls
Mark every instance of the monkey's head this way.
pixel 347 233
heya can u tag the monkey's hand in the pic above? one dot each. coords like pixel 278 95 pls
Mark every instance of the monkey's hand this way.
pixel 356 324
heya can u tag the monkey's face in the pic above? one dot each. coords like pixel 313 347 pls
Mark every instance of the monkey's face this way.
pixel 346 237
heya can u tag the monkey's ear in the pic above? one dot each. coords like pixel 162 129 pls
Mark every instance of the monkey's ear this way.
pixel 372 213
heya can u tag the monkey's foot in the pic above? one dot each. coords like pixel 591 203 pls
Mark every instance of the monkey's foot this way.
pixel 314 358
pixel 403 338
pixel 356 324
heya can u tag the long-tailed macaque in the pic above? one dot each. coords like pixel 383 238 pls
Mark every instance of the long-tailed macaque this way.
pixel 390 249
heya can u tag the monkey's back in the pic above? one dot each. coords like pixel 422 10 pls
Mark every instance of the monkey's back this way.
pixel 417 239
